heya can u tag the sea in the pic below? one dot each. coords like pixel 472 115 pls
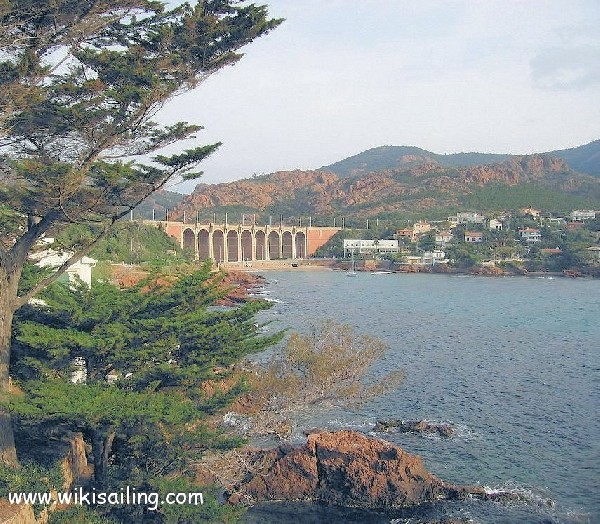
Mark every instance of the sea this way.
pixel 512 363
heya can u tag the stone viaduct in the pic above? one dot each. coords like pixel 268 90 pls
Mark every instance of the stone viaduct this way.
pixel 225 243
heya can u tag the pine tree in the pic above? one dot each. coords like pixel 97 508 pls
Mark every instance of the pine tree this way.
pixel 80 83
pixel 145 353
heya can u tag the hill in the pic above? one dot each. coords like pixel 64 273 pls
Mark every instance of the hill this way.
pixel 419 186
pixel 398 157
pixel 159 201
pixel 583 159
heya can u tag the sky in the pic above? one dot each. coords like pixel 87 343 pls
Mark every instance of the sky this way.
pixel 341 76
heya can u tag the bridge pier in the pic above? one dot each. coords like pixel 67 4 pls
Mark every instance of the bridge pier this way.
pixel 241 243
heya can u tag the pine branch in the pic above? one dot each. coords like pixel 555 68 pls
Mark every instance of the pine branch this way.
pixel 22 300
pixel 19 252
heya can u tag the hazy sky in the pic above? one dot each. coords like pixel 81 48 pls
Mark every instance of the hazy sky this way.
pixel 341 76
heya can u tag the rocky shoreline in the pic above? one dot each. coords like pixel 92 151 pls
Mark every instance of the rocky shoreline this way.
pixel 388 267
pixel 346 469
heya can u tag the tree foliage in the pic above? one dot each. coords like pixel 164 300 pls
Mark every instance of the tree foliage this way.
pixel 127 369
pixel 80 86
pixel 329 366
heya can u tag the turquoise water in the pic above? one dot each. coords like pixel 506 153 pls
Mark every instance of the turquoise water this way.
pixel 512 363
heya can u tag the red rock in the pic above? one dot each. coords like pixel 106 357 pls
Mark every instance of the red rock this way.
pixel 345 468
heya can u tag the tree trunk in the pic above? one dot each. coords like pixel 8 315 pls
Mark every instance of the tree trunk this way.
pixel 8 294
pixel 102 441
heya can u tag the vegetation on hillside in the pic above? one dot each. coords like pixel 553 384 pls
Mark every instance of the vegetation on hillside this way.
pixel 395 157
pixel 584 159
pixel 129 242
pixel 501 197
pixel 157 205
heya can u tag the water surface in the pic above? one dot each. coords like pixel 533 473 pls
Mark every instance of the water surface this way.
pixel 513 363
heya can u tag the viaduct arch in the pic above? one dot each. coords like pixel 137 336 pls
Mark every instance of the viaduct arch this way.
pixel 225 243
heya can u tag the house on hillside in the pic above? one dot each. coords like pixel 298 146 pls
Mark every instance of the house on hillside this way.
pixel 405 234
pixel 467 217
pixel 80 270
pixel 549 251
pixel 530 234
pixel 427 258
pixel 581 215
pixel 473 237
pixel 495 225
pixel 442 238
pixel 572 226
pixel 555 221
pixel 595 252
pixel 421 227
pixel 529 211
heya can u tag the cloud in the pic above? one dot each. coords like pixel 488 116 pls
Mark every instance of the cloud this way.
pixel 566 68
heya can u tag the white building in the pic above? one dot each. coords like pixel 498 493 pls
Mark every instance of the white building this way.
pixel 473 237
pixel 360 246
pixel 581 215
pixel 467 217
pixel 495 225
pixel 427 258
pixel 442 238
pixel 80 270
pixel 530 234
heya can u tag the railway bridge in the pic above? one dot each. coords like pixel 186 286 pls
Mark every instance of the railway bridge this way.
pixel 244 243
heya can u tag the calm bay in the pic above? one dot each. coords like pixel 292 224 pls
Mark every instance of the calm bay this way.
pixel 512 363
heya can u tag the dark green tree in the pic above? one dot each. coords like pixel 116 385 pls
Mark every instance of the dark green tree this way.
pixel 80 84
pixel 427 242
pixel 115 363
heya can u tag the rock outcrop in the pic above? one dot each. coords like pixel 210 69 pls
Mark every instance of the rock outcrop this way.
pixel 415 426
pixel 344 468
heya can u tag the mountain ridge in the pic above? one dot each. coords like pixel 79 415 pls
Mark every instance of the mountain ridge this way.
pixel 583 159
pixel 418 184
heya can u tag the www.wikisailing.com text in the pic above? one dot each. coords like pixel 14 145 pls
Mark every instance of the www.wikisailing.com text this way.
pixel 125 497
